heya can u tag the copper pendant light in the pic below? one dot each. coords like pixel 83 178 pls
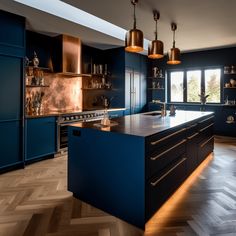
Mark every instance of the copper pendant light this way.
pixel 174 53
pixel 134 37
pixel 155 49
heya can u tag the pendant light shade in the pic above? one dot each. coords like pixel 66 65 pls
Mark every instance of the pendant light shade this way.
pixel 134 41
pixel 174 53
pixel 134 37
pixel 155 49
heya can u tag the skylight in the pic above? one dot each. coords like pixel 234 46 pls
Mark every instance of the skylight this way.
pixel 73 14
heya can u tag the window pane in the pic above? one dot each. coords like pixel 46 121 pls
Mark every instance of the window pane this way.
pixel 212 85
pixel 176 86
pixel 193 86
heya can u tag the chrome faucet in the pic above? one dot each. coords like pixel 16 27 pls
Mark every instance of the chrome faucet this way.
pixel 163 109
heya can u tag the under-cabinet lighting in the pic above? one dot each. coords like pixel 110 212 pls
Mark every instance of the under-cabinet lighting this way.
pixel 161 217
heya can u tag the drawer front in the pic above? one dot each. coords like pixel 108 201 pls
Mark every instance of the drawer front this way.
pixel 205 147
pixel 206 132
pixel 162 186
pixel 165 139
pixel 192 151
pixel 205 123
pixel 191 129
pixel 164 156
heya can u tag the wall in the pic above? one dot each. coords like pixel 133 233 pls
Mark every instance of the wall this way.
pixel 62 94
pixel 208 58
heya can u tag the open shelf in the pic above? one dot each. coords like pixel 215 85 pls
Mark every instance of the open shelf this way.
pixel 152 77
pixel 37 86
pixel 96 88
pixel 156 88
pixel 39 68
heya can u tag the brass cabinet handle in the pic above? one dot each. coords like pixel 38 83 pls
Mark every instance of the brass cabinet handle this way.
pixel 192 136
pixel 166 151
pixel 205 119
pixel 208 140
pixel 168 172
pixel 206 127
pixel 168 136
pixel 192 126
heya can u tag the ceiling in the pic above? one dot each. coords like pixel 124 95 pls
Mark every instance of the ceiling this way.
pixel 201 25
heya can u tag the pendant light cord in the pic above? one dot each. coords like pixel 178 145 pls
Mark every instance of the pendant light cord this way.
pixel 156 31
pixel 173 27
pixel 173 38
pixel 156 16
pixel 134 3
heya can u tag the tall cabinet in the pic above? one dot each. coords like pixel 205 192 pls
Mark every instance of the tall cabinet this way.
pixel 12 51
pixel 135 83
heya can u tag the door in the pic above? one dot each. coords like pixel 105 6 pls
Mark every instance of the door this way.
pixel 132 91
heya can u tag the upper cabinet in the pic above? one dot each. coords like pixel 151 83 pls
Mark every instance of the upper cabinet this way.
pixel 13 30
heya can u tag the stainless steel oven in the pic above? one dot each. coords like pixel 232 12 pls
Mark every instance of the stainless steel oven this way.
pixel 64 121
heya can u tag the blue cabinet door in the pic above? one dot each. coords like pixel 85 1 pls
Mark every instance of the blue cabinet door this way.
pixel 10 87
pixel 40 137
pixel 10 143
pixel 13 29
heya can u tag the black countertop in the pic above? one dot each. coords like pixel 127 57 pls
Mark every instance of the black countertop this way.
pixel 146 125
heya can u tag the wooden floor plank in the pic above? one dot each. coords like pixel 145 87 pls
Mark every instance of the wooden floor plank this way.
pixel 35 202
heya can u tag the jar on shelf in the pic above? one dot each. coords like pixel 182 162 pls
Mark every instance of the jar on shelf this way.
pixel 233 70
pixel 227 70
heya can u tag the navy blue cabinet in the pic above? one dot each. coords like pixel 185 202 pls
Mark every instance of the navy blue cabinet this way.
pixel 12 52
pixel 10 89
pixel 41 137
pixel 135 83
pixel 10 144
pixel 128 78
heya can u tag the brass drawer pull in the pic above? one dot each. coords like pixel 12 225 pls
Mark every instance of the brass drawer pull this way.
pixel 168 172
pixel 192 126
pixel 206 127
pixel 200 122
pixel 192 136
pixel 166 151
pixel 168 136
pixel 207 141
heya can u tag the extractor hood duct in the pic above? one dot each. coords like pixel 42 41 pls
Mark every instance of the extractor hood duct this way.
pixel 66 55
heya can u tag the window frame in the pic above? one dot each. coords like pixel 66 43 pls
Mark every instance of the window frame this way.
pixel 185 70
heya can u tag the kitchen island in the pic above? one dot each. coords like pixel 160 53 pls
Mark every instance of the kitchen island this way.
pixel 130 169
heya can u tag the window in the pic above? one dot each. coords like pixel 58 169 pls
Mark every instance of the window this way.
pixel 212 85
pixel 193 86
pixel 176 84
pixel 188 85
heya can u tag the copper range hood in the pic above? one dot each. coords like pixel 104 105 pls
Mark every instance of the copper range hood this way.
pixel 66 56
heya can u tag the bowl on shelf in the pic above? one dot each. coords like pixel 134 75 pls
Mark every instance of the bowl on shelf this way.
pixel 230 119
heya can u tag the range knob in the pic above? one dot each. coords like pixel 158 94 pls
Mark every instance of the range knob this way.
pixel 88 115
pixel 67 118
pixel 76 117
pixel 81 117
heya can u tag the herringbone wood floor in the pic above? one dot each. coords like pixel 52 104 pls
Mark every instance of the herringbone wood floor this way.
pixel 34 202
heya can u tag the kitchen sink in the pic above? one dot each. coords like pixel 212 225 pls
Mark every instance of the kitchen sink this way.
pixel 152 114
